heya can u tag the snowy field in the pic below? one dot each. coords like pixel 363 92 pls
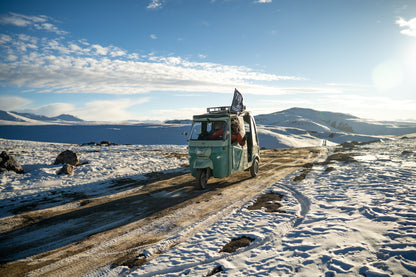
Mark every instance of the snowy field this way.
pixel 104 164
pixel 343 219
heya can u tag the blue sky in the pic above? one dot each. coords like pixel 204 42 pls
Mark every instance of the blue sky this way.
pixel 161 59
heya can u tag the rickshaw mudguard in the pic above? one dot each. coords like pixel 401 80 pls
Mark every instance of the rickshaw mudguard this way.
pixel 255 157
pixel 203 163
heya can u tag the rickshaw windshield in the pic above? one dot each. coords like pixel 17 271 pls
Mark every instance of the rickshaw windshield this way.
pixel 209 130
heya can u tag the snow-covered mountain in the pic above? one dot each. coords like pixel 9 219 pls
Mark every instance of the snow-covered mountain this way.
pixel 30 118
pixel 6 116
pixel 298 127
pixel 318 121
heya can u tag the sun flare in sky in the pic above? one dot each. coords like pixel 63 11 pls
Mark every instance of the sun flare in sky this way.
pixel 387 75
pixel 411 61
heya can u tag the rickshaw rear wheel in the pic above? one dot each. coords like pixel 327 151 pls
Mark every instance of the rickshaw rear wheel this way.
pixel 254 169
pixel 202 177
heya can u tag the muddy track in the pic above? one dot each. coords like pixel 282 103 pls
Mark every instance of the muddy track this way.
pixel 92 233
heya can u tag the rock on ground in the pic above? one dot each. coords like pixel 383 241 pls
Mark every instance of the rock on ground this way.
pixel 67 157
pixel 8 163
pixel 66 169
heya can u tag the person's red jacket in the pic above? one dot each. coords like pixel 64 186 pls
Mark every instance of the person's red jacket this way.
pixel 217 134
pixel 234 137
pixel 239 138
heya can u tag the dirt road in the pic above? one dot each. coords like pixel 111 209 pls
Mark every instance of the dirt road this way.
pixel 134 225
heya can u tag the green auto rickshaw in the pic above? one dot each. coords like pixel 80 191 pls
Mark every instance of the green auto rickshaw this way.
pixel 222 142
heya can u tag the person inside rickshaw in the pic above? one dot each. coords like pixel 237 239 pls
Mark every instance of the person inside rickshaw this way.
pixel 235 132
pixel 218 130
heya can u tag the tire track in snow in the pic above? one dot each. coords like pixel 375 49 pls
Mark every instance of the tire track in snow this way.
pixel 304 202
pixel 278 232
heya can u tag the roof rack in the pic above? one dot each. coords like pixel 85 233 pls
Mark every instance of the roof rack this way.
pixel 218 109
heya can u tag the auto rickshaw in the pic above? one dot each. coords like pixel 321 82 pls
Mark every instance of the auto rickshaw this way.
pixel 212 149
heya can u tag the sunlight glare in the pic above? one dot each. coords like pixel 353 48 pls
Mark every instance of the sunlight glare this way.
pixel 411 60
pixel 387 75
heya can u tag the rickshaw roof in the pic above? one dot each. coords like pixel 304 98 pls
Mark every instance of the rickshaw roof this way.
pixel 219 112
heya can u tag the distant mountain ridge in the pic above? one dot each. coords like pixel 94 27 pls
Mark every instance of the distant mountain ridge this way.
pixel 324 122
pixel 9 117
pixel 30 117
pixel 296 127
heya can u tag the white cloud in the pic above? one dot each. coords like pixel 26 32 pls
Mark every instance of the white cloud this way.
pixel 51 28
pixel 111 110
pixel 53 109
pixel 409 27
pixel 367 107
pixel 153 36
pixel 11 58
pixel 349 86
pixel 39 22
pixel 116 52
pixel 155 4
pixel 75 48
pixel 12 103
pixel 5 39
pixel 54 65
pixel 100 50
pixel 263 1
pixel 184 113
pixel 373 107
pixel 21 20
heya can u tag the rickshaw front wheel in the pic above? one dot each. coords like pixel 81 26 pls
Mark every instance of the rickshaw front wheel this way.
pixel 254 169
pixel 202 177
